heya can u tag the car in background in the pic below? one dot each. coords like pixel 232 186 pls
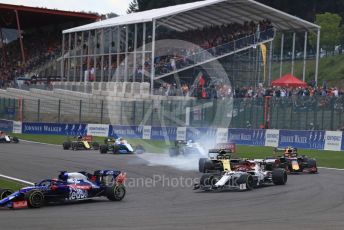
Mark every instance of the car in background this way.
pixel 4 138
pixel 212 163
pixel 292 162
pixel 186 148
pixel 69 187
pixel 221 172
pixel 119 146
pixel 81 143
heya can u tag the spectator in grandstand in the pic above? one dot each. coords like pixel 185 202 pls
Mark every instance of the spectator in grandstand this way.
pixel 216 39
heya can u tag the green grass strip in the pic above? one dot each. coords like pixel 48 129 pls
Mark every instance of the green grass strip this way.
pixel 324 158
pixel 9 184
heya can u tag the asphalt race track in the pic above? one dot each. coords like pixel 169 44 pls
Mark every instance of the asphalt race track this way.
pixel 306 202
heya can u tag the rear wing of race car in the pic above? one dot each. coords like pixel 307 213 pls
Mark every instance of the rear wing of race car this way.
pixel 180 142
pixel 228 147
pixel 107 173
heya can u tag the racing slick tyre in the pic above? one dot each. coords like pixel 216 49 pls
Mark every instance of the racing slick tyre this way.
pixel 312 164
pixel 95 146
pixel 201 164
pixel 210 166
pixel 66 145
pixel 5 193
pixel 116 149
pixel 15 140
pixel 116 193
pixel 279 177
pixel 35 198
pixel 209 179
pixel 246 179
pixel 103 149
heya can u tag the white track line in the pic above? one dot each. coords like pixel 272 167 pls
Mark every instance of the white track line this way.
pixel 40 143
pixel 16 179
pixel 331 168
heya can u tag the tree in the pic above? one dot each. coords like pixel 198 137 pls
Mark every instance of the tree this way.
pixel 133 7
pixel 142 5
pixel 331 31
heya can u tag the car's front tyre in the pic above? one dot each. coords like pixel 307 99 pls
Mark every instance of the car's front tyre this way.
pixel 35 199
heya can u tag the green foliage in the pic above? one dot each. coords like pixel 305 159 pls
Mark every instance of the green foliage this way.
pixel 331 31
pixel 142 5
pixel 331 69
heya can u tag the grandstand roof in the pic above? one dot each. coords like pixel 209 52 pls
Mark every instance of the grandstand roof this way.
pixel 205 13
pixel 31 17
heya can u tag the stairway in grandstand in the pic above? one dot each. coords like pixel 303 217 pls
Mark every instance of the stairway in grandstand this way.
pixel 215 53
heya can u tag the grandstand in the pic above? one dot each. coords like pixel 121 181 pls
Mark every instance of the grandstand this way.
pixel 39 37
pixel 126 48
pixel 134 60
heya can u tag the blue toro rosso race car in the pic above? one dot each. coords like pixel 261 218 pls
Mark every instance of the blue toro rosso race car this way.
pixel 69 187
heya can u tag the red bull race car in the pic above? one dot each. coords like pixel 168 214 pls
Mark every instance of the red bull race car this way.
pixel 294 163
pixel 69 187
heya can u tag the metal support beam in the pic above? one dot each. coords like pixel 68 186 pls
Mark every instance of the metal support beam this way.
pixel 293 55
pixel 102 57
pixel 69 56
pixel 110 58
pixel 270 62
pixel 282 54
pixel 305 57
pixel 20 37
pixel 153 57
pixel 143 52
pixel 95 44
pixel 317 58
pixel 135 54
pixel 118 49
pixel 63 57
pixel 126 53
pixel 74 58
pixel 81 56
pixel 88 57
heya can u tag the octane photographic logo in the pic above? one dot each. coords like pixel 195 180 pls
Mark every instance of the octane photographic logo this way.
pixel 166 110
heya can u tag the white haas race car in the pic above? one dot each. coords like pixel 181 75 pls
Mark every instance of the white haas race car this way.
pixel 223 173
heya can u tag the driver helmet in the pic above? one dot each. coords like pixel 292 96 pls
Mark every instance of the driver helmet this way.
pixel 288 151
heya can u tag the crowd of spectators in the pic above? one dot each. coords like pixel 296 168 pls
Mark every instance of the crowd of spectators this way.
pixel 38 50
pixel 282 92
pixel 216 40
